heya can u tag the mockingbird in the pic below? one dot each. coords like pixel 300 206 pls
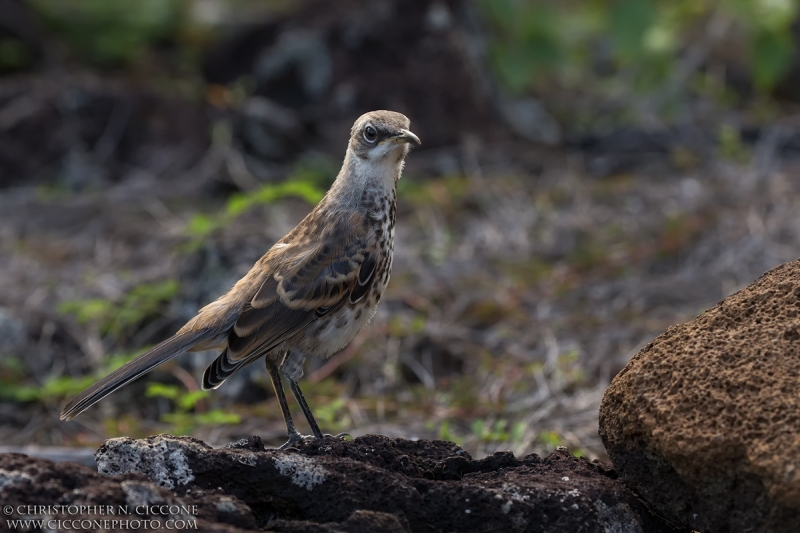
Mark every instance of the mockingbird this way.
pixel 311 292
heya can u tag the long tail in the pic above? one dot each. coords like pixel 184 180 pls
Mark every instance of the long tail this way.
pixel 143 364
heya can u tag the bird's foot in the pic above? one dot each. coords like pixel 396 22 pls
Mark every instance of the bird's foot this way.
pixel 294 439
pixel 343 436
pixel 298 438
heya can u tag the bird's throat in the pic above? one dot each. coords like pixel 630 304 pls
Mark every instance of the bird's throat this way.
pixel 360 174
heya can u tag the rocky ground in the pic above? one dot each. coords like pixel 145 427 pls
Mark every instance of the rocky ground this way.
pixel 370 484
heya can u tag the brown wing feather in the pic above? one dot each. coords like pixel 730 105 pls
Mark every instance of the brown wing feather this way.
pixel 311 280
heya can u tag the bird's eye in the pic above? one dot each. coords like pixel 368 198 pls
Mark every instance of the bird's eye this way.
pixel 370 134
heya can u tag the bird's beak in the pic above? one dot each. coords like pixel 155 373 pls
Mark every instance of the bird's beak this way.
pixel 405 136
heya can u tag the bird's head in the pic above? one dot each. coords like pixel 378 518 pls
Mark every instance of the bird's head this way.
pixel 382 137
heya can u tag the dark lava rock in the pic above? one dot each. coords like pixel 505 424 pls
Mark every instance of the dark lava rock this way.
pixel 69 496
pixel 380 484
pixel 704 422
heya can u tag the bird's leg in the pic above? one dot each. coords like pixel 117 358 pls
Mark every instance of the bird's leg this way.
pixel 298 395
pixel 292 370
pixel 275 376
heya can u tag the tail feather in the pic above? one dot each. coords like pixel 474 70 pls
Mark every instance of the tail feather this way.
pixel 222 368
pixel 143 364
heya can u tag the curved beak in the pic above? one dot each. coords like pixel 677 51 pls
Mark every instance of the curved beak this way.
pixel 405 136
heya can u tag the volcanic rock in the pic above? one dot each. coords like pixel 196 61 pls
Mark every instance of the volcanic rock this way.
pixel 394 485
pixel 704 422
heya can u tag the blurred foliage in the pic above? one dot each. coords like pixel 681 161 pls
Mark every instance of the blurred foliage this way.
pixel 200 226
pixel 304 183
pixel 329 405
pixel 498 432
pixel 14 384
pixel 333 415
pixel 121 317
pixel 188 413
pixel 533 41
pixel 112 33
pixel 731 146
pixel 14 54
pixel 540 40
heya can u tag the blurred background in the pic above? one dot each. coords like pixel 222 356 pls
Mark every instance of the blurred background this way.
pixel 591 173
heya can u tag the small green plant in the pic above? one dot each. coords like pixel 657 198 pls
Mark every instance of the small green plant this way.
pixel 305 183
pixel 270 193
pixel 333 414
pixel 187 415
pixel 553 439
pixel 121 317
pixel 550 439
pixel 568 369
pixel 15 385
pixel 535 42
pixel 446 433
pixel 402 326
pixel 14 55
pixel 730 145
pixel 111 33
pixel 499 432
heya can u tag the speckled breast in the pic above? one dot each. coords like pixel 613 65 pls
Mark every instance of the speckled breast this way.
pixel 332 333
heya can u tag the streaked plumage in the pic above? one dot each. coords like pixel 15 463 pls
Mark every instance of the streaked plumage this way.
pixel 312 291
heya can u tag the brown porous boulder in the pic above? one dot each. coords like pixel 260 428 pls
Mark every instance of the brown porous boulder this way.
pixel 704 422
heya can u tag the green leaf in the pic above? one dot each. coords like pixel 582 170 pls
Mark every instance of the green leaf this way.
pixel 478 428
pixel 86 310
pixel 111 33
pixel 503 13
pixel 201 225
pixel 19 393
pixel 63 386
pixel 162 390
pixel 14 54
pixel 518 431
pixel 189 400
pixel 771 57
pixel 327 413
pixel 218 416
pixel 629 22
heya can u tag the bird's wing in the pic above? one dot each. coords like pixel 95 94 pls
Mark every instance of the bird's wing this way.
pixel 307 281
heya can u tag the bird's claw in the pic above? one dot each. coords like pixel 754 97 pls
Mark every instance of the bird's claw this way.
pixel 342 436
pixel 298 438
pixel 295 438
